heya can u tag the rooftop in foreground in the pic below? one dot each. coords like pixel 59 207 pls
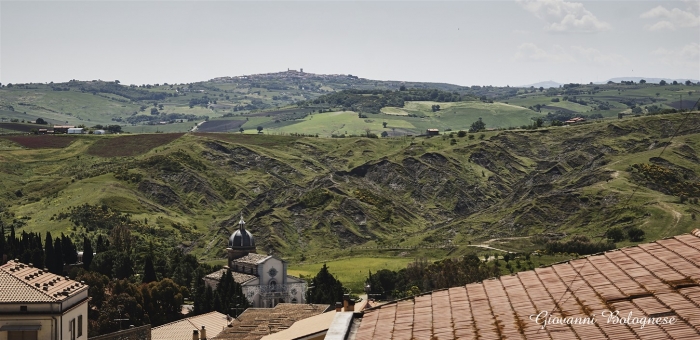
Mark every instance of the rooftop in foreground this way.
pixel 255 323
pixel 20 282
pixel 214 322
pixel 654 280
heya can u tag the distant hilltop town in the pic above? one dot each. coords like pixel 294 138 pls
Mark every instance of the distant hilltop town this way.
pixel 289 74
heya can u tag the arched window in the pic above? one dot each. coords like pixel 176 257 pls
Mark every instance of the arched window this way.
pixel 294 300
pixel 273 286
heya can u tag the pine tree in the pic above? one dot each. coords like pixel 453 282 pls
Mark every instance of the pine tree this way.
pixel 149 273
pixel 327 289
pixel 87 253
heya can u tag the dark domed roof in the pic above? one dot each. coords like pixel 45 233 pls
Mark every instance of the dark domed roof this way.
pixel 241 238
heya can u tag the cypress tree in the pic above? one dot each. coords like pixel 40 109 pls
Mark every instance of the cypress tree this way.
pixel 87 253
pixel 100 246
pixel 58 257
pixel 12 242
pixel 2 242
pixel 216 303
pixel 70 252
pixel 208 304
pixel 49 253
pixel 149 272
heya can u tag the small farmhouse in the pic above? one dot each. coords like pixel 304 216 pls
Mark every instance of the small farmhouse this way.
pixel 575 120
pixel 432 132
pixel 57 129
pixel 99 132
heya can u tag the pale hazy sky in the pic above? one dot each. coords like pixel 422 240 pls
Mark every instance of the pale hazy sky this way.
pixel 459 42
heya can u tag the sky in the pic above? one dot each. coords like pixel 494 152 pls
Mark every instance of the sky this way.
pixel 460 42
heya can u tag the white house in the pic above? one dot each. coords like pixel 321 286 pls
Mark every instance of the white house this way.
pixel 263 278
pixel 99 132
pixel 35 304
pixel 75 131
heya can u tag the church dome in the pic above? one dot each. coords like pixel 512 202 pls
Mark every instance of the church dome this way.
pixel 241 238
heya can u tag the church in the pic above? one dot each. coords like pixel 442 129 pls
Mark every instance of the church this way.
pixel 263 278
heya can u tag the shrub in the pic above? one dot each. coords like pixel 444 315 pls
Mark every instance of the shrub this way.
pixel 635 234
pixel 615 234
pixel 461 133
pixel 579 245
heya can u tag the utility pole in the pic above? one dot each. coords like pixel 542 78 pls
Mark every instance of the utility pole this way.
pixel 119 308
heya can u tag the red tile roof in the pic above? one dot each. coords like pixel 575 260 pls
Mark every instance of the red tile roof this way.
pixel 655 280
pixel 23 283
pixel 213 322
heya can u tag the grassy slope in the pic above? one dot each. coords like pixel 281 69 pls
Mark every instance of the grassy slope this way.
pixel 421 195
pixel 75 107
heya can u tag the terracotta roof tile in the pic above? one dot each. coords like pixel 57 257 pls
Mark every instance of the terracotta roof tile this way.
pixel 213 322
pixel 658 279
pixel 23 283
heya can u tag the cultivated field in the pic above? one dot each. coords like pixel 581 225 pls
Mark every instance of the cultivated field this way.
pixel 42 141
pixel 122 146
pixel 220 126
pixel 17 127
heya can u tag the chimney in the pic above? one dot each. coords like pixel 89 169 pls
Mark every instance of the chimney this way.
pixel 195 335
pixel 338 306
pixel 203 334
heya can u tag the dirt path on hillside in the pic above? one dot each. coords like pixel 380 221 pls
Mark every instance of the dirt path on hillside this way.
pixel 505 238
pixel 676 215
pixel 485 246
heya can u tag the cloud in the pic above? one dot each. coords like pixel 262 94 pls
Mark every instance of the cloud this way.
pixel 562 16
pixel 686 56
pixel 670 19
pixel 662 25
pixel 530 52
pixel 595 56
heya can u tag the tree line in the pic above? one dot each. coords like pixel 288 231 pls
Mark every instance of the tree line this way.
pixel 372 101
pixel 422 276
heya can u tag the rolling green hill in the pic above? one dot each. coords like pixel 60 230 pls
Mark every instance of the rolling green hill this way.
pixel 285 102
pixel 310 198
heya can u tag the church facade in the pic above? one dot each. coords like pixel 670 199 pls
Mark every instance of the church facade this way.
pixel 263 278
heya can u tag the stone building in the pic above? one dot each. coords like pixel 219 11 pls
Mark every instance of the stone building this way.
pixel 263 278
